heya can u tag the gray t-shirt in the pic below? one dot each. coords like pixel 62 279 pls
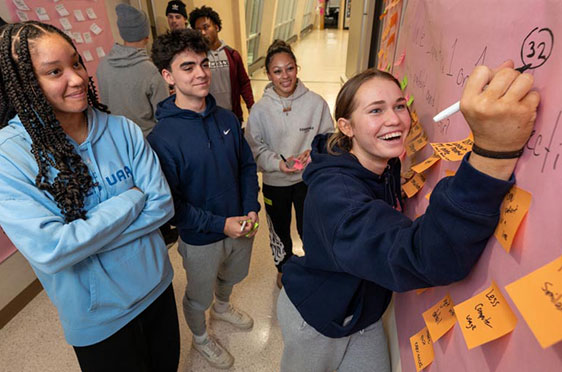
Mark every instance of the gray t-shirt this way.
pixel 220 77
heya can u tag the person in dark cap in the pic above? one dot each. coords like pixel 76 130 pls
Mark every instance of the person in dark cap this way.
pixel 177 15
pixel 129 82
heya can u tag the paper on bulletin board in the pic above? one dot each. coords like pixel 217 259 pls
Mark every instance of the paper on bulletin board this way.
pixel 443 40
pixel 70 16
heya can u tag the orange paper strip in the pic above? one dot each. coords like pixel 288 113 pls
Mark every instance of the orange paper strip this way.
pixel 414 185
pixel 453 151
pixel 514 207
pixel 440 318
pixel 391 39
pixel 428 195
pixel 426 164
pixel 422 349
pixel 449 173
pixel 538 297
pixel 393 19
pixel 416 144
pixel 421 290
pixel 415 131
pixel 485 317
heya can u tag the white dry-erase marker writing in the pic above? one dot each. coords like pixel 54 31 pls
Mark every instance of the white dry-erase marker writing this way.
pixel 456 107
pixel 243 225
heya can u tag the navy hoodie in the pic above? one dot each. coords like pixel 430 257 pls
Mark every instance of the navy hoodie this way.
pixel 360 247
pixel 209 167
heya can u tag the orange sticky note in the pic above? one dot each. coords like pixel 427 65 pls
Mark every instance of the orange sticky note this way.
pixel 414 185
pixel 453 151
pixel 421 290
pixel 391 39
pixel 538 297
pixel 416 144
pixel 514 207
pixel 385 32
pixel 422 349
pixel 415 130
pixel 485 317
pixel 428 195
pixel 393 19
pixel 426 164
pixel 440 318
pixel 449 173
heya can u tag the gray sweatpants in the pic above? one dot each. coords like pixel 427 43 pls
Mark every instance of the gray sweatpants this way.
pixel 215 267
pixel 307 350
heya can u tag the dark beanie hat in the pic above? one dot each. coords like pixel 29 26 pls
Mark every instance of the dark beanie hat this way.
pixel 176 6
pixel 132 23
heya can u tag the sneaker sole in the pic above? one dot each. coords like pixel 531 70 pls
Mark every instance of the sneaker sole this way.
pixel 213 364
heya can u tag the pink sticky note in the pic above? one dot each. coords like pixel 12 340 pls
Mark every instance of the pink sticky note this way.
pixel 298 165
pixel 400 59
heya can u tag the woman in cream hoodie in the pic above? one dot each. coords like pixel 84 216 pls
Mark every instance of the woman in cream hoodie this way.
pixel 280 131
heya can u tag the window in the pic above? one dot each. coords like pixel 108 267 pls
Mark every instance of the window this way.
pixel 285 20
pixel 254 10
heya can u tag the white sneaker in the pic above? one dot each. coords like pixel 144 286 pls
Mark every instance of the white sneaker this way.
pixel 234 316
pixel 214 353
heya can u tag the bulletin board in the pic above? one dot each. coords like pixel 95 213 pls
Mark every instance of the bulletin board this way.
pixel 85 21
pixel 442 41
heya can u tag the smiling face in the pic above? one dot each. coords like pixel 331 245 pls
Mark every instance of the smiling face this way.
pixel 282 71
pixel 190 74
pixel 176 21
pixel 61 76
pixel 379 124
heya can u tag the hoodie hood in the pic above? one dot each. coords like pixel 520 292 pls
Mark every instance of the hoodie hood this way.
pixel 124 56
pixel 168 109
pixel 97 124
pixel 385 186
pixel 300 90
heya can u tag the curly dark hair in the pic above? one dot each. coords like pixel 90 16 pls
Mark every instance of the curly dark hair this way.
pixel 205 12
pixel 21 94
pixel 167 46
pixel 278 46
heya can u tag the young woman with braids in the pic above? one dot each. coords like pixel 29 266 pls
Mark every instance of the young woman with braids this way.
pixel 82 196
pixel 360 247
pixel 280 130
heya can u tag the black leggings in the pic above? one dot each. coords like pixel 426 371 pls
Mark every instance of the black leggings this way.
pixel 279 201
pixel 150 342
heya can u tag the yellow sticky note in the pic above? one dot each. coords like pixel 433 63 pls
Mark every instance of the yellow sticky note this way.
pixel 514 207
pixel 404 82
pixel 453 151
pixel 440 318
pixel 416 144
pixel 426 164
pixel 428 195
pixel 538 296
pixel 485 317
pixel 449 173
pixel 422 349
pixel 380 53
pixel 385 32
pixel 421 290
pixel 414 185
pixel 415 130
pixel 410 100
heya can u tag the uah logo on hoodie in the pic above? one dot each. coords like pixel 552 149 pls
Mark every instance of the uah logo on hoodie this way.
pixel 119 176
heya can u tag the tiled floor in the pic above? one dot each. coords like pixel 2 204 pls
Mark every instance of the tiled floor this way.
pixel 33 340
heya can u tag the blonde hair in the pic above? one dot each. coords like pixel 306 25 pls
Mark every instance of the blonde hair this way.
pixel 346 103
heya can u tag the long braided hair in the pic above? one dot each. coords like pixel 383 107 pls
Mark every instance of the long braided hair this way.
pixel 21 94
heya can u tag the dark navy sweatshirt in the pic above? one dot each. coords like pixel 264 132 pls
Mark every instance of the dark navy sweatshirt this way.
pixel 209 167
pixel 359 247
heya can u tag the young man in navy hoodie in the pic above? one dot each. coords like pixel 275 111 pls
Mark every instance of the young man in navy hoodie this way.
pixel 213 179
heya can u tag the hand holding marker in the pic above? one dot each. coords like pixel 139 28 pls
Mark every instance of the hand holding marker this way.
pixel 294 164
pixel 455 107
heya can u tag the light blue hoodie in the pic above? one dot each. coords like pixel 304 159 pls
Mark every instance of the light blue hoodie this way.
pixel 101 272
